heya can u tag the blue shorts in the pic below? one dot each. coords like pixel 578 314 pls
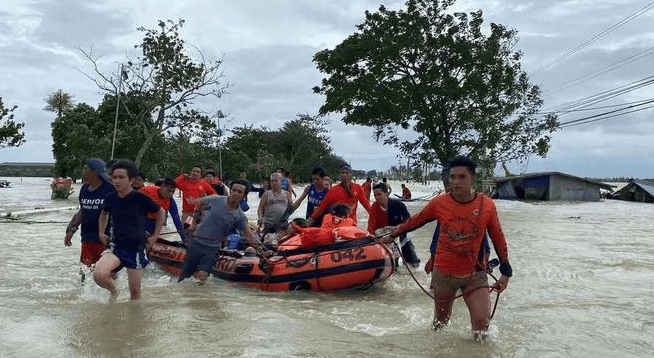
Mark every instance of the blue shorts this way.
pixel 130 257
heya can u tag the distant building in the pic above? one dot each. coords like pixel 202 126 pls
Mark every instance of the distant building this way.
pixel 637 190
pixel 548 186
pixel 13 169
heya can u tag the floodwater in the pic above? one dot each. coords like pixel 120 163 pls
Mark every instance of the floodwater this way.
pixel 582 287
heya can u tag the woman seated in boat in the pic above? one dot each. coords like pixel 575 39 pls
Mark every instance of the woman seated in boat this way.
pixel 337 218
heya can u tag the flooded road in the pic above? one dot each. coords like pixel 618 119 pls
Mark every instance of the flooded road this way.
pixel 582 287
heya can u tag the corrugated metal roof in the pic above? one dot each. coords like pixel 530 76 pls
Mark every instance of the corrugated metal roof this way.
pixel 538 174
pixel 647 186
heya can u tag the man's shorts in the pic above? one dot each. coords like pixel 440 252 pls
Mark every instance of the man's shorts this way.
pixel 199 257
pixel 466 284
pixel 130 257
pixel 91 252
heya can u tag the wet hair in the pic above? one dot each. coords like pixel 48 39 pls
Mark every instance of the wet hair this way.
pixel 128 165
pixel 341 211
pixel 300 222
pixel 462 161
pixel 382 187
pixel 168 182
pixel 319 171
pixel 241 182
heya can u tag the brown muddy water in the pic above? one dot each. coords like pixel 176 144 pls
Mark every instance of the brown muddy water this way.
pixel 582 287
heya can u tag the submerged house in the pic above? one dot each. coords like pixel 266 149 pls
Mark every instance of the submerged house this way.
pixel 548 186
pixel 637 190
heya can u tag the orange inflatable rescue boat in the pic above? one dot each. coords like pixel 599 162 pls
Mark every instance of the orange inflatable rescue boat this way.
pixel 315 259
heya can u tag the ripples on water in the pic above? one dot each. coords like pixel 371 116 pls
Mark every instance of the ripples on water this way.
pixel 584 276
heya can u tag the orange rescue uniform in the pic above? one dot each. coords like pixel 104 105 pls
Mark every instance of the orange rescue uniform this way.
pixel 462 229
pixel 192 191
pixel 337 195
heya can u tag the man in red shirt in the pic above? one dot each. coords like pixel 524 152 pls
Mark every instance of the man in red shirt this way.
pixel 464 217
pixel 406 193
pixel 345 193
pixel 193 188
pixel 163 195
pixel 367 187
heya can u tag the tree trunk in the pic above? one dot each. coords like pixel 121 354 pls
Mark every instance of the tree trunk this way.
pixel 148 140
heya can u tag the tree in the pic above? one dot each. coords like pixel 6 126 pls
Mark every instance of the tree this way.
pixel 77 134
pixel 58 102
pixel 458 86
pixel 301 143
pixel 10 131
pixel 166 80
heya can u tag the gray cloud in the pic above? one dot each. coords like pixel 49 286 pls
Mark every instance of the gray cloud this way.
pixel 268 51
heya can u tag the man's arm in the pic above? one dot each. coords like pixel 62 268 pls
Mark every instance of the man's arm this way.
pixel 102 226
pixel 250 238
pixel 161 216
pixel 501 249
pixel 362 199
pixel 262 208
pixel 372 221
pixel 426 215
pixel 208 188
pixel 72 227
pixel 174 213
pixel 297 203
pixel 330 199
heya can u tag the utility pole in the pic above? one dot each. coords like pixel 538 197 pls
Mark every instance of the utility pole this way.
pixel 121 73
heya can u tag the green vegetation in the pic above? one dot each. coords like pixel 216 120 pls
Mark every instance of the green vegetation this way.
pixel 152 100
pixel 299 146
pixel 459 86
pixel 10 131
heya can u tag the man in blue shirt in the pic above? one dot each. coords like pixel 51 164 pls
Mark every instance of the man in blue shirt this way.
pixel 91 198
pixel 128 210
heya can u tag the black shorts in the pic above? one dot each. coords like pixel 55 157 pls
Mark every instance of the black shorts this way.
pixel 199 257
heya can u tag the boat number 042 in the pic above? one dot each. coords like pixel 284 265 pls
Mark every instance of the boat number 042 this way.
pixel 349 254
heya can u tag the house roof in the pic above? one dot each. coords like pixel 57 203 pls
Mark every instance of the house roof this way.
pixel 542 174
pixel 646 185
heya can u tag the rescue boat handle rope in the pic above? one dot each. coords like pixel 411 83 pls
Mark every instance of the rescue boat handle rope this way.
pixel 497 298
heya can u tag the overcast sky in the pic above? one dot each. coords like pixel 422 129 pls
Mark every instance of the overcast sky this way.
pixel 268 48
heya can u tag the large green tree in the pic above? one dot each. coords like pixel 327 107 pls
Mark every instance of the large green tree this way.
pixel 10 130
pixel 77 134
pixel 456 84
pixel 167 80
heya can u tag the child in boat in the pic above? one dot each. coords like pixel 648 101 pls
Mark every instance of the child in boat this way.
pixel 339 217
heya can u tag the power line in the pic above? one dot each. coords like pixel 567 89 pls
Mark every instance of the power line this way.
pixel 604 70
pixel 593 108
pixel 603 96
pixel 598 36
pixel 609 114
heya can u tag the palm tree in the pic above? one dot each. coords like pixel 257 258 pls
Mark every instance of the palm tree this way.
pixel 58 102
